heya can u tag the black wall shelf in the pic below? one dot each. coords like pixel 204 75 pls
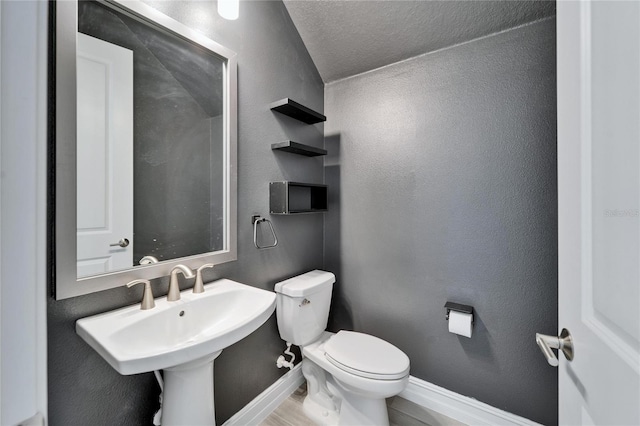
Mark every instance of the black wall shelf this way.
pixel 298 148
pixel 296 197
pixel 295 110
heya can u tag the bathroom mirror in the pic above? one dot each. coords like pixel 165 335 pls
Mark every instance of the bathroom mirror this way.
pixel 145 134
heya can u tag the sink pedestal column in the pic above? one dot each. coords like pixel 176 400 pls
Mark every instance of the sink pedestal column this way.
pixel 188 393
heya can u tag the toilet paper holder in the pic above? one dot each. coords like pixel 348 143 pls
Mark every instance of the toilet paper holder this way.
pixel 451 306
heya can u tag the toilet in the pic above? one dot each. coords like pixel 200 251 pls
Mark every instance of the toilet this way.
pixel 348 374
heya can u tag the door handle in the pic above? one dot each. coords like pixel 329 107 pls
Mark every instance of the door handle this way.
pixel 563 343
pixel 122 243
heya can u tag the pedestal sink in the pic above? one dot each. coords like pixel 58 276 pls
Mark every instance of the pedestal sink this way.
pixel 182 338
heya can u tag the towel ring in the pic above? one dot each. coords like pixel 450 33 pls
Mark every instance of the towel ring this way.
pixel 255 220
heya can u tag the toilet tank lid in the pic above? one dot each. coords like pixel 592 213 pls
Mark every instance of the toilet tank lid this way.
pixel 305 284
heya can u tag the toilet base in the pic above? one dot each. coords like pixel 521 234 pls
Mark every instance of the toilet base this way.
pixel 319 414
pixel 356 410
pixel 332 403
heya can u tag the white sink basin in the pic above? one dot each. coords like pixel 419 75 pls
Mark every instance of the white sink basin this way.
pixel 174 333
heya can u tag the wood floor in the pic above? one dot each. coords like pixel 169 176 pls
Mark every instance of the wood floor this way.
pixel 401 413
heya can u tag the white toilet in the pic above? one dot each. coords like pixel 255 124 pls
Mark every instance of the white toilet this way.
pixel 348 374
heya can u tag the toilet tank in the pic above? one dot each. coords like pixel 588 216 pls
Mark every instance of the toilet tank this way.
pixel 302 306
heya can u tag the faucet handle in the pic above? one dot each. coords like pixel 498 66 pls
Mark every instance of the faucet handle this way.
pixel 147 298
pixel 198 287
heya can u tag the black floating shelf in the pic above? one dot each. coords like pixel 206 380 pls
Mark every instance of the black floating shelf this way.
pixel 295 197
pixel 293 109
pixel 298 148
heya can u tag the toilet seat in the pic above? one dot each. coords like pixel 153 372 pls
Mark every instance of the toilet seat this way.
pixel 366 356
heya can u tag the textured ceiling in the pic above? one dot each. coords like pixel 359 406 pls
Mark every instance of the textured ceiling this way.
pixel 348 37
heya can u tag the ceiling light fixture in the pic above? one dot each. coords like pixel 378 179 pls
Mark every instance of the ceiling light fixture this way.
pixel 229 9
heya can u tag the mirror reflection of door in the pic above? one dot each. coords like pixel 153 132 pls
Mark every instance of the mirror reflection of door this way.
pixel 104 156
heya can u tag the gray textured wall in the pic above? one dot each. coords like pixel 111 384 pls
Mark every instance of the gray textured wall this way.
pixel 442 180
pixel 272 64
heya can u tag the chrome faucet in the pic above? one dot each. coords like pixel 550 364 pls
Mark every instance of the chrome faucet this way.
pixel 174 289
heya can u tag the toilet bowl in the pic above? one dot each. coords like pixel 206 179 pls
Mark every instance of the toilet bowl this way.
pixel 361 387
pixel 349 374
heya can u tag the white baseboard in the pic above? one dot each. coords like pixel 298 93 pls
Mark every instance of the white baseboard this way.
pixel 464 409
pixel 458 407
pixel 259 409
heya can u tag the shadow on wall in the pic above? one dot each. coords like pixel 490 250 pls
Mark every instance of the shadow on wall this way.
pixel 340 306
pixel 479 347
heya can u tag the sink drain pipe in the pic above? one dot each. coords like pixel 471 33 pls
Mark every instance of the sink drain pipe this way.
pixel 282 361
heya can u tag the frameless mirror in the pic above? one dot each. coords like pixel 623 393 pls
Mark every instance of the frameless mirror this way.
pixel 145 146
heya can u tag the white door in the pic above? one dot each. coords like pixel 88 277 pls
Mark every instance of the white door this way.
pixel 599 224
pixel 23 205
pixel 104 156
